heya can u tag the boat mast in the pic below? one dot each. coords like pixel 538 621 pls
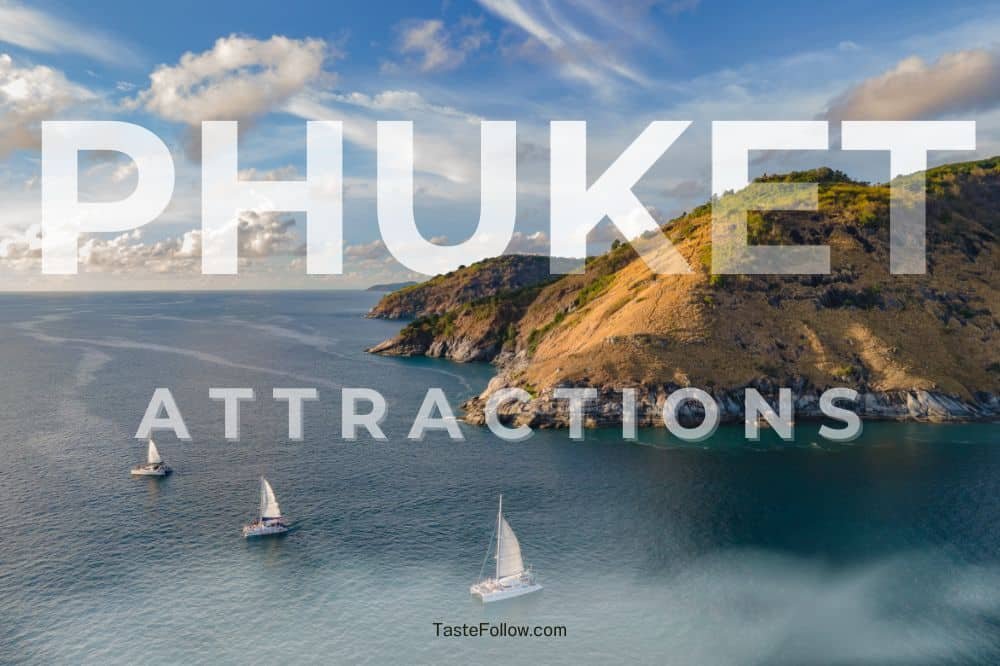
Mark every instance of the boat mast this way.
pixel 499 532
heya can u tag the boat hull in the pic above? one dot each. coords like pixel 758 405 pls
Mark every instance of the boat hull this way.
pixel 489 591
pixel 143 471
pixel 253 531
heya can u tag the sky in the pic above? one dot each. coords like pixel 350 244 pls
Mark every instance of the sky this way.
pixel 446 66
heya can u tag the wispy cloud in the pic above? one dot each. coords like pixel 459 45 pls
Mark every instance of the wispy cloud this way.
pixel 36 30
pixel 401 100
pixel 447 144
pixel 437 47
pixel 584 39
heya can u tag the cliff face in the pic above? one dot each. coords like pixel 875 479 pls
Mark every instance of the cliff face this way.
pixel 915 346
pixel 470 331
pixel 445 293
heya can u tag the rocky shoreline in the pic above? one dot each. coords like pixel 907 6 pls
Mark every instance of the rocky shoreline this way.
pixel 459 349
pixel 544 411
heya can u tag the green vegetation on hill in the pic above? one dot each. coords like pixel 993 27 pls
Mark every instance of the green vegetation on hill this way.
pixel 821 175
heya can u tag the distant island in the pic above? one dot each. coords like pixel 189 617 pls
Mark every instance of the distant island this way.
pixel 391 286
pixel 916 347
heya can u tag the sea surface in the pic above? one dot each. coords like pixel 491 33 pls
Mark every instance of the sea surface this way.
pixel 886 550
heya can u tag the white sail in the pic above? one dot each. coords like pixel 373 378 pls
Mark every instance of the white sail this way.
pixel 152 455
pixel 508 551
pixel 268 502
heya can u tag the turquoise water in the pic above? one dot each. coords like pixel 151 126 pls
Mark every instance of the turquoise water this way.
pixel 886 549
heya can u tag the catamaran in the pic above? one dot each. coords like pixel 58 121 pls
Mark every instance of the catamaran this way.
pixel 154 463
pixel 511 579
pixel 269 520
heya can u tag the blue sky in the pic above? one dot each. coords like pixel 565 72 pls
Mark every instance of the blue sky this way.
pixel 446 65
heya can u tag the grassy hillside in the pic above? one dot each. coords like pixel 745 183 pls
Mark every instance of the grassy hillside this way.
pixel 858 323
pixel 621 325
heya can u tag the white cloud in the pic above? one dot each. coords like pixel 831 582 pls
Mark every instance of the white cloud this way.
pixel 372 251
pixel 22 250
pixel 267 234
pixel 261 236
pixel 287 172
pixel 437 47
pixel 533 243
pixel 35 30
pixel 581 54
pixel 124 172
pixel 240 78
pixel 958 82
pixel 401 100
pixel 29 95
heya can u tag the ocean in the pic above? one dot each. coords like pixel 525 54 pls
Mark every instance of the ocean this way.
pixel 724 552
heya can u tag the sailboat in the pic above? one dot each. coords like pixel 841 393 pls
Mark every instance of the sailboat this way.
pixel 269 520
pixel 511 579
pixel 154 463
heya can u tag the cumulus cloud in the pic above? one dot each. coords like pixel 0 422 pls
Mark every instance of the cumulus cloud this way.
pixel 29 95
pixel 261 235
pixel 22 251
pixel 533 243
pixel 267 234
pixel 239 78
pixel 958 82
pixel 436 47
pixel 372 251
